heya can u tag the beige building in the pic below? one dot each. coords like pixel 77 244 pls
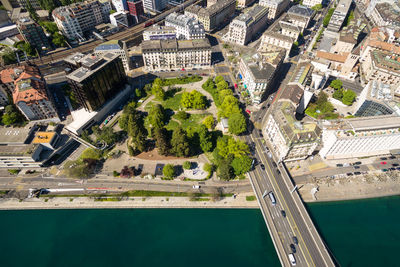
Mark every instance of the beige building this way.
pixel 386 14
pixel 382 66
pixel 311 3
pixel 244 27
pixel 275 7
pixel 244 3
pixel 176 54
pixel 212 16
pixel 339 65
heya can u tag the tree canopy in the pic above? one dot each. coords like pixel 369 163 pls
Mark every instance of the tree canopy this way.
pixel 193 100
pixel 237 123
pixel 209 122
pixel 162 141
pixel 348 97
pixel 169 171
pixel 179 143
pixel 336 84
pixel 241 164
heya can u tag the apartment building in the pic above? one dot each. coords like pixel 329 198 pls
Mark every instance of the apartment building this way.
pixel 30 95
pixel 386 14
pixel 244 3
pixel 157 32
pixel 212 16
pixel 382 66
pixel 33 33
pixel 291 139
pixel 344 65
pixel 76 19
pixel 120 5
pixel 275 7
pixel 339 15
pixel 361 137
pixel 258 70
pixel 116 47
pixel 154 5
pixel 176 54
pixel 244 27
pixel 98 80
pixel 34 3
pixel 311 3
pixel 186 27
pixel 119 19
pixel 135 8
pixel 300 16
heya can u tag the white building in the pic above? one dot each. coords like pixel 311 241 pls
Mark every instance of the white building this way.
pixel 275 7
pixel 339 15
pixel 154 5
pixel 120 5
pixel 361 137
pixel 245 26
pixel 157 32
pixel 176 54
pixel 115 47
pixel 311 3
pixel 186 27
pixel 119 19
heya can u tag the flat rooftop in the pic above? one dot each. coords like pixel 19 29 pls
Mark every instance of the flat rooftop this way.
pixel 374 123
pixel 175 44
pixel 14 135
pixel 43 137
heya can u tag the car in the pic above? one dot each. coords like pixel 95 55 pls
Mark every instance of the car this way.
pixel 357 163
pixel 292 248
pixel 384 158
pixel 196 186
pixel 263 107
pixel 383 162
pixel 283 213
pixel 349 174
pixel 339 165
pixel 356 167
pixel 295 240
pixel 357 173
pixel 273 163
pixel 392 169
pixel 392 157
pixel 398 168
pixel 385 170
pixel 262 167
pixel 268 105
pixel 278 171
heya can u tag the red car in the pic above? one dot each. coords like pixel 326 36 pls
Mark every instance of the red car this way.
pixel 383 162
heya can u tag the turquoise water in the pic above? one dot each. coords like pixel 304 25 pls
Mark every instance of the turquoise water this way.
pixel 360 233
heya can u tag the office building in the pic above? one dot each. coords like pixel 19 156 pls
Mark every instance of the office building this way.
pixel 8 31
pixel 119 19
pixel 33 34
pixel 9 5
pixel 382 66
pixel 361 137
pixel 257 71
pixel 275 7
pixel 386 14
pixel 30 95
pixel 300 16
pixel 135 8
pixel 116 47
pixel 311 3
pixel 120 5
pixel 186 27
pixel 78 18
pixel 291 139
pixel 157 32
pixel 176 54
pixel 213 16
pixel 98 80
pixel 244 27
pixel 34 3
pixel 339 15
pixel 154 5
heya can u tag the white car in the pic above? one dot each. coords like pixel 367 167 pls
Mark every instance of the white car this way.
pixel 196 186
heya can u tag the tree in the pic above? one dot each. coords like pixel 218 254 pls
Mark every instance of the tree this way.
pixel 187 165
pixel 336 84
pixel 224 93
pixel 223 85
pixel 31 11
pixel 237 123
pixel 11 115
pixel 162 141
pixel 350 17
pixel 179 143
pixel 51 27
pixel 182 115
pixel 218 79
pixel 137 132
pixel 317 7
pixel 229 107
pixel 112 11
pixel 225 171
pixel 59 40
pixel 209 122
pixel 157 116
pixel 338 94
pixel 241 164
pixel 208 167
pixel 206 143
pixel 193 100
pixel 106 134
pixel 227 145
pixel 138 93
pixel 169 171
pixel 327 18
pixel 348 97
pixel 158 92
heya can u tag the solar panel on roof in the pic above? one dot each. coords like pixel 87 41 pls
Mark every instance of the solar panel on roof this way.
pixel 79 74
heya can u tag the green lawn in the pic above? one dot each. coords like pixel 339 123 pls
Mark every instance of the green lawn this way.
pixel 173 103
pixel 194 120
pixel 251 198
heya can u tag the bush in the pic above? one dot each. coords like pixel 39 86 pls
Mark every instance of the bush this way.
pixel 14 171
pixel 251 198
pixel 182 115
pixel 187 165
pixel 208 167
pixel 115 173
pixel 169 171
pixel 209 122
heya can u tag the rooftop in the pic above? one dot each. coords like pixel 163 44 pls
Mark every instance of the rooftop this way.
pixel 175 44
pixel 388 12
pixel 43 137
pixel 15 135
pixel 252 15
pixel 292 93
pixel 343 6
pixel 18 150
pixel 110 45
pixel 390 62
pixel 301 10
pixel 374 123
pixel 263 65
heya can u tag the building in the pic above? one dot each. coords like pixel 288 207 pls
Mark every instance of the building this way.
pixel 244 27
pixel 78 18
pixel 361 137
pixel 343 65
pixel 275 7
pixel 119 19
pixel 30 95
pixel 98 80
pixel 120 5
pixel 386 14
pixel 291 139
pixel 135 8
pixel 186 27
pixel 339 15
pixel 157 32
pixel 33 34
pixel 348 38
pixel 176 54
pixel 105 7
pixel 34 3
pixel 116 47
pixel 244 3
pixel 257 71
pixel 213 16
pixel 9 5
pixel 8 31
pixel 300 16
pixel 154 5
pixel 382 66
pixel 311 3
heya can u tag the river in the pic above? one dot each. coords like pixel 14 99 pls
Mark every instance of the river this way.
pixel 360 233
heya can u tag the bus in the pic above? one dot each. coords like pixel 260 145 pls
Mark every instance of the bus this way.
pixel 272 198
